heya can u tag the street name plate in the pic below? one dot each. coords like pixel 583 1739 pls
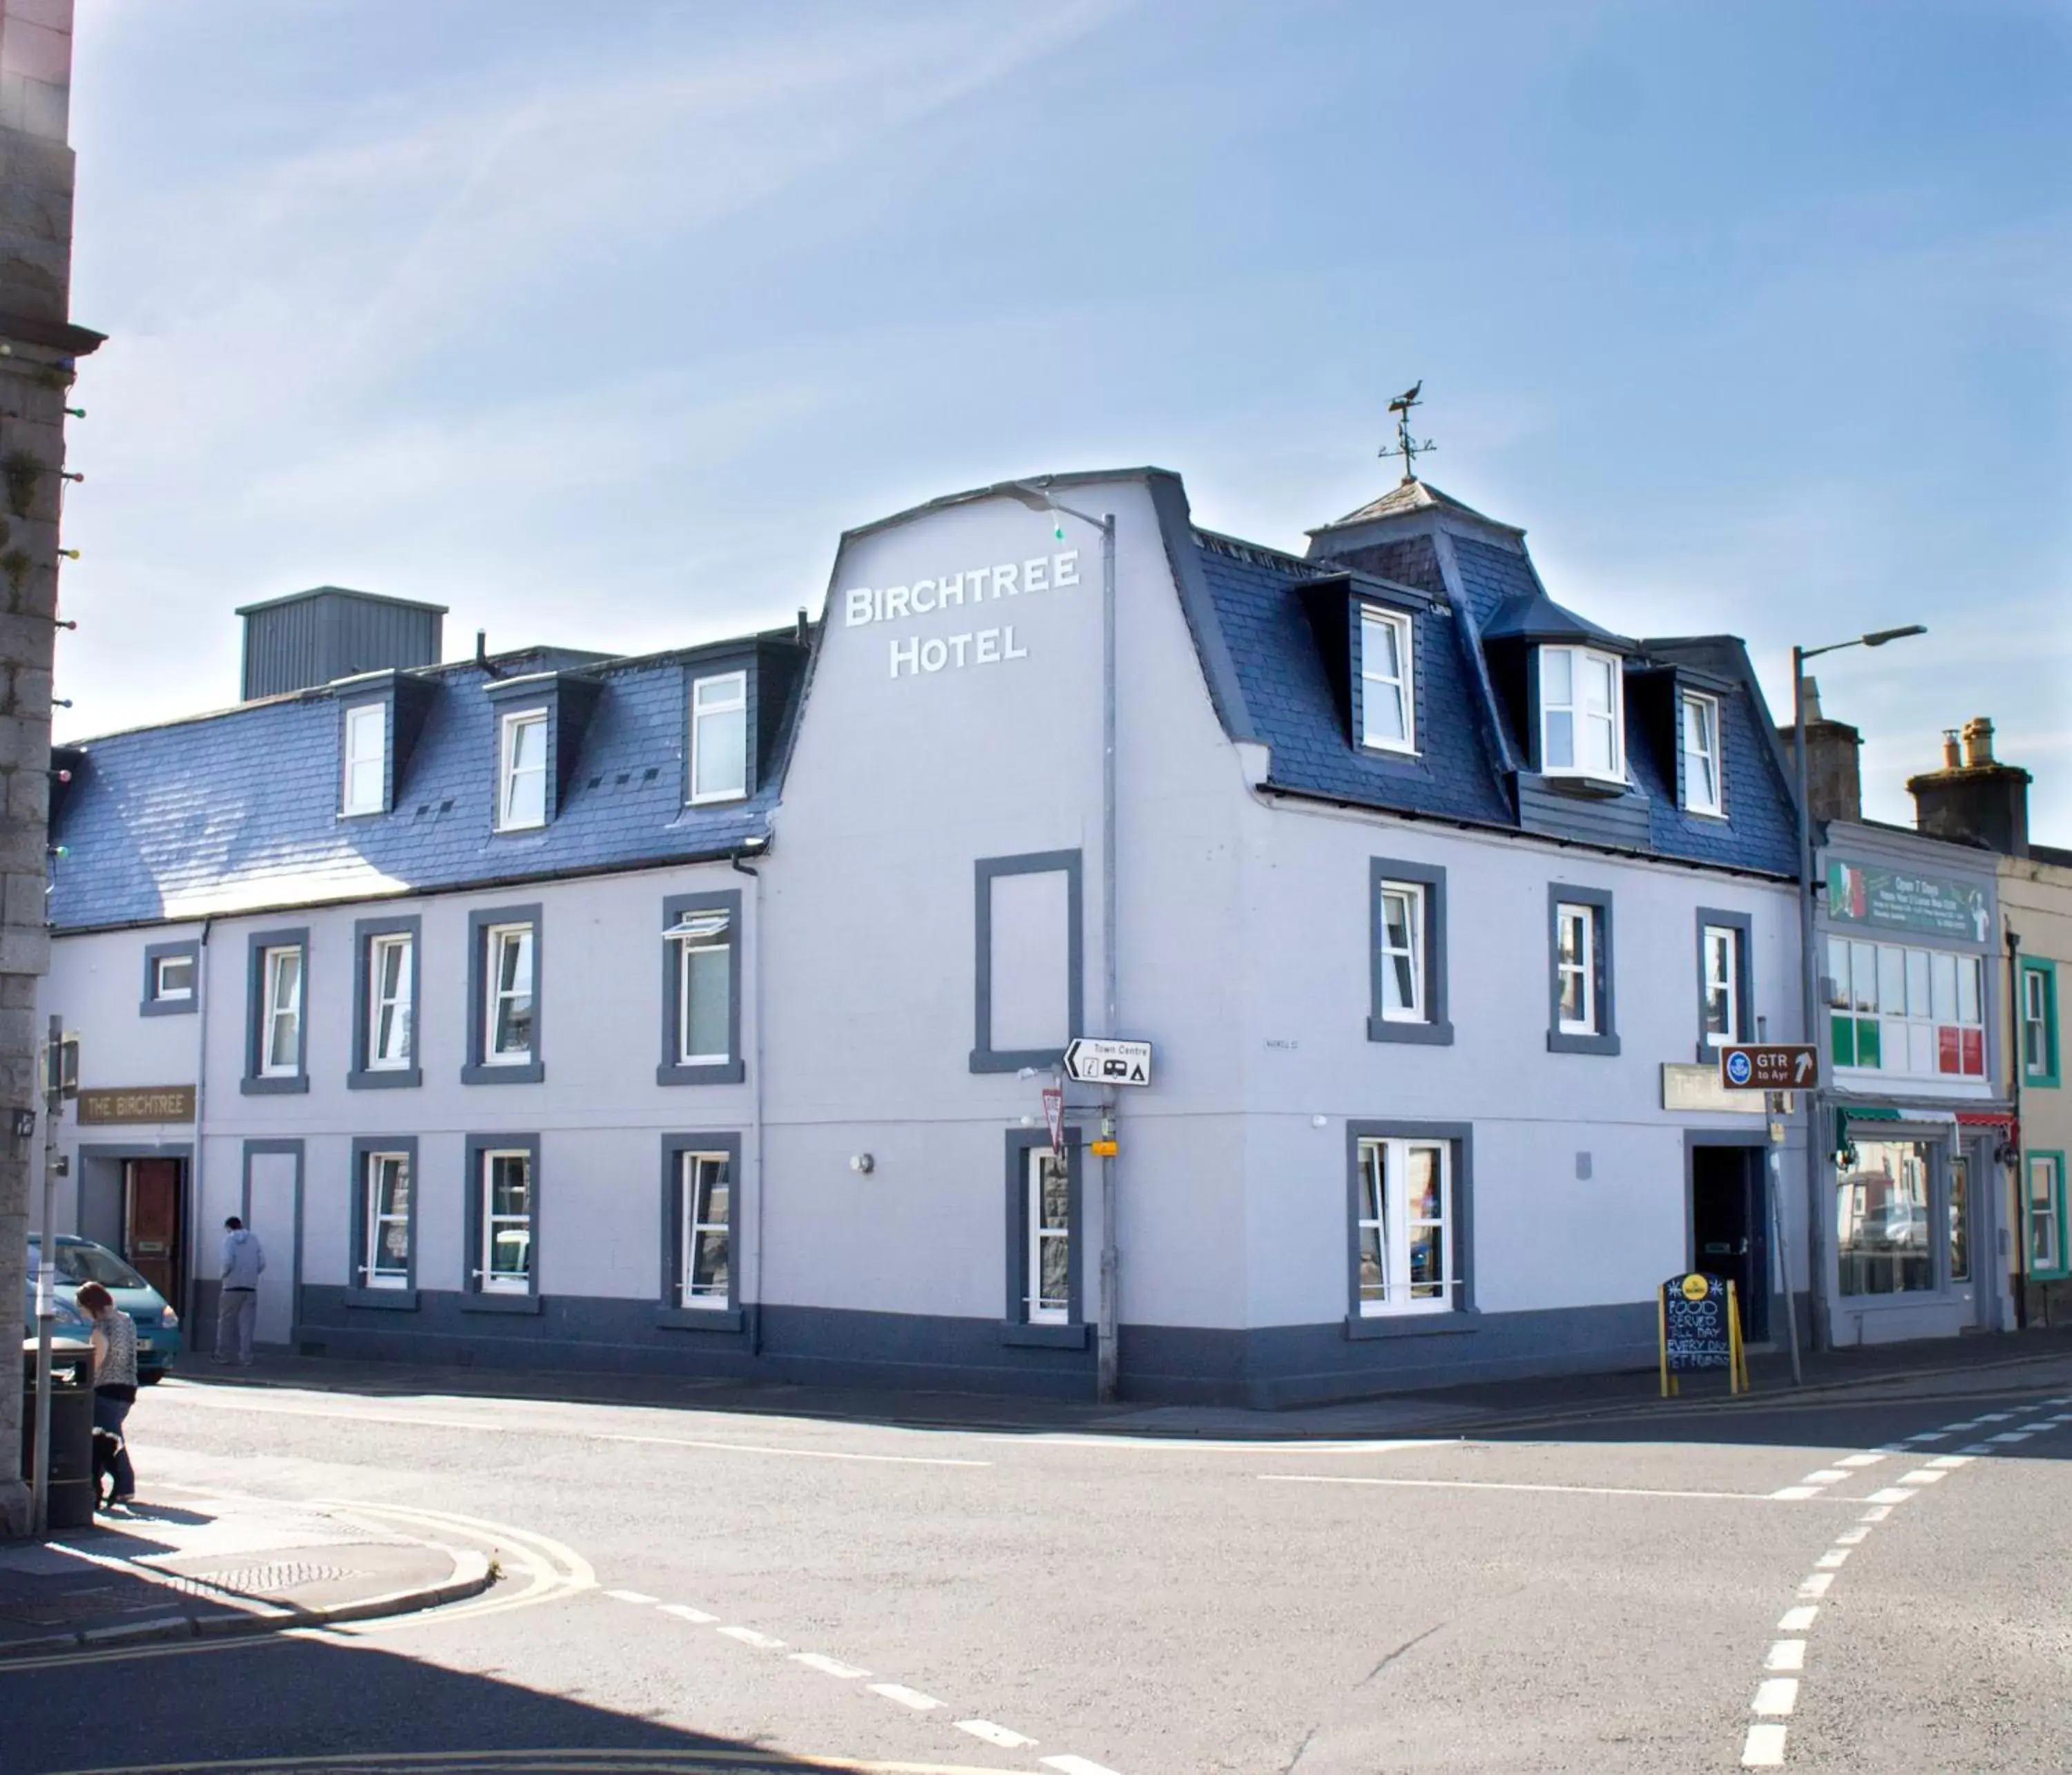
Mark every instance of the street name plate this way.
pixel 136 1103
pixel 1095 1060
pixel 1770 1065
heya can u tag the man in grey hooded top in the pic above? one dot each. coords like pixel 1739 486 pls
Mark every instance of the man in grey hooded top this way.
pixel 237 1305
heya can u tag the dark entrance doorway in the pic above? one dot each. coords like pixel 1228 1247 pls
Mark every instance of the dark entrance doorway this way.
pixel 151 1225
pixel 1730 1227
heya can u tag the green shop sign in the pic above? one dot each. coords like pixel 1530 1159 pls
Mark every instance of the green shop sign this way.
pixel 1906 900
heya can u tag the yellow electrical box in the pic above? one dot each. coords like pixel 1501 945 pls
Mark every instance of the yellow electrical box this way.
pixel 1102 1149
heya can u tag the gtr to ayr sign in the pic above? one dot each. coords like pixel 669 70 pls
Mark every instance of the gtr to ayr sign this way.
pixel 1769 1067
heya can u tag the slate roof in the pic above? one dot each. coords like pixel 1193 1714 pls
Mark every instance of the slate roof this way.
pixel 1294 711
pixel 237 811
pixel 1409 496
pixel 1467 741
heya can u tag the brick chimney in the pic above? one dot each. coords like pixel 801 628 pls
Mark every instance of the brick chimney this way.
pixel 1835 788
pixel 1974 798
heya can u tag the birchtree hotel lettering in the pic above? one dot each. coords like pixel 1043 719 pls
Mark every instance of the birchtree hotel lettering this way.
pixel 913 654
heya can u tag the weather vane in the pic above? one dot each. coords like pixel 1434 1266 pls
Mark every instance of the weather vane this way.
pixel 1406 446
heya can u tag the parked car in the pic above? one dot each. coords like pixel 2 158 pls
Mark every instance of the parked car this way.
pixel 72 1332
pixel 157 1325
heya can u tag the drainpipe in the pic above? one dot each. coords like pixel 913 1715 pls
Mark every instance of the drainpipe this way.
pixel 195 1232
pixel 2020 1231
pixel 762 1168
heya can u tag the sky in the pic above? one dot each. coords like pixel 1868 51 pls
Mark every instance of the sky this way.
pixel 599 324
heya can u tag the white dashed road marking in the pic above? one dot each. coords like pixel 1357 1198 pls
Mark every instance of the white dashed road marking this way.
pixel 698 1618
pixel 993 1734
pixel 830 1667
pixel 1776 1695
pixel 1074 1765
pixel 904 1696
pixel 631 1596
pixel 748 1636
pixel 1765 1749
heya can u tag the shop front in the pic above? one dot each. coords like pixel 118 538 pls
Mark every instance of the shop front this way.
pixel 1910 988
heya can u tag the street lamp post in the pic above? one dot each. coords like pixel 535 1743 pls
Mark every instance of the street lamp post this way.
pixel 1039 498
pixel 1809 970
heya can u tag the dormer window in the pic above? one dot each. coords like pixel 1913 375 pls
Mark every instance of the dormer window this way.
pixel 1388 704
pixel 1698 718
pixel 521 799
pixel 719 738
pixel 1582 714
pixel 365 788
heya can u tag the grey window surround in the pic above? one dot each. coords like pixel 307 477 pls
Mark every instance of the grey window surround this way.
pixel 362 1077
pixel 1015 1330
pixel 253 1084
pixel 155 953
pixel 670 1071
pixel 1745 1024
pixel 473 1072
pixel 984 1056
pixel 359 1292
pixel 385 700
pixel 1435 1031
pixel 669 1312
pixel 1466 1316
pixel 474 1298
pixel 1605 1041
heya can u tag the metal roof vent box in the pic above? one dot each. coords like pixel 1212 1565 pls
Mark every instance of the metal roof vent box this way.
pixel 308 638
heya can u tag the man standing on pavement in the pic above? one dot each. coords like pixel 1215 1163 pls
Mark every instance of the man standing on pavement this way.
pixel 237 1306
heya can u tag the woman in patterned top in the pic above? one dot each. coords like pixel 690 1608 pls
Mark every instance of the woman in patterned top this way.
pixel 114 1388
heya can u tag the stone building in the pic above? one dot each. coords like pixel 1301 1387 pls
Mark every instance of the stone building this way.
pixel 38 344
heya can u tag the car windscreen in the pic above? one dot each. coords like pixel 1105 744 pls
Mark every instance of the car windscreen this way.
pixel 96 1264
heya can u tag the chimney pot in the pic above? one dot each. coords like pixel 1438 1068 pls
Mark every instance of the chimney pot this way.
pixel 1978 743
pixel 1953 756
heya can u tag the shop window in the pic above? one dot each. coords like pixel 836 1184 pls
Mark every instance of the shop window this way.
pixel 1883 1213
pixel 1917 1013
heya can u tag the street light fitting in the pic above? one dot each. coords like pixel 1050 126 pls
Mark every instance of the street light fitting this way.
pixel 1880 637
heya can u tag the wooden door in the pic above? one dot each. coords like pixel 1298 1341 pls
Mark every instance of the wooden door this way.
pixel 151 1223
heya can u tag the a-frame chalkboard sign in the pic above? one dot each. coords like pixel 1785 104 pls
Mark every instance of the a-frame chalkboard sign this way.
pixel 1700 1324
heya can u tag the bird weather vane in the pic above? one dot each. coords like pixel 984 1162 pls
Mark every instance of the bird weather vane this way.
pixel 1408 448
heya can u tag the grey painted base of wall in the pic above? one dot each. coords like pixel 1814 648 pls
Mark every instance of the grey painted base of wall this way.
pixel 1268 1368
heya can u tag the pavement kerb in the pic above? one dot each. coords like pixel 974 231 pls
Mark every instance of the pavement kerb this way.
pixel 471 1577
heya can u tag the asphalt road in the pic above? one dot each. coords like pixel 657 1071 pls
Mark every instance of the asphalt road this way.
pixel 1678 1588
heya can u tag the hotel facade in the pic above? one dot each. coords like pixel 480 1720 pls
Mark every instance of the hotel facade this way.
pixel 691 1013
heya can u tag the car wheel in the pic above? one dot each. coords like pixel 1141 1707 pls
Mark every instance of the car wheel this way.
pixel 150 1376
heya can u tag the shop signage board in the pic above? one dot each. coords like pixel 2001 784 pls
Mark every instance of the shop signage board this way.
pixel 1094 1060
pixel 1700 1324
pixel 1901 899
pixel 1768 1066
pixel 132 1104
pixel 1689 1088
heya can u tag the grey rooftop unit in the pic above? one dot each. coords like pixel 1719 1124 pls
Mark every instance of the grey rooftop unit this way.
pixel 310 638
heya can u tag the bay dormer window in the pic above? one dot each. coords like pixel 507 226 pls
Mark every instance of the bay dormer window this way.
pixel 1582 714
pixel 1388 702
pixel 1698 725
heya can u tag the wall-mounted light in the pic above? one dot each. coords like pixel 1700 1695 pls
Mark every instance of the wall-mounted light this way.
pixel 862 1164
pixel 61 702
pixel 77 412
pixel 1320 1121
pixel 69 554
